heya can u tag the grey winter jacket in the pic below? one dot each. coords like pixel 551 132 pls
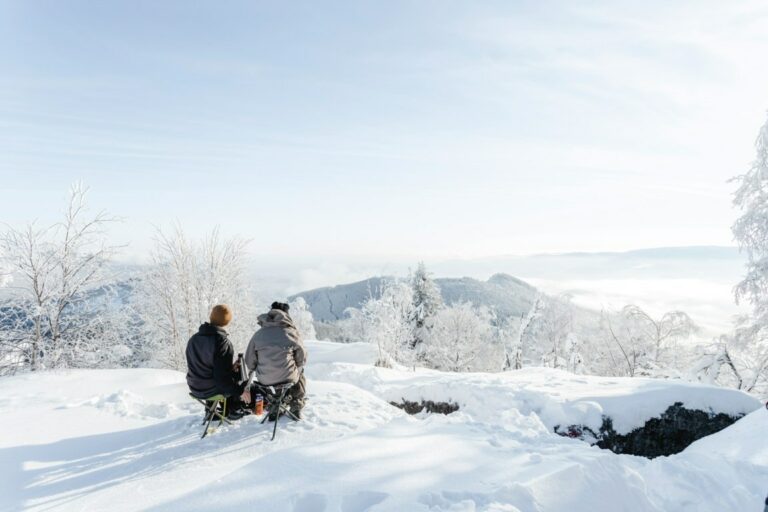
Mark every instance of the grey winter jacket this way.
pixel 276 352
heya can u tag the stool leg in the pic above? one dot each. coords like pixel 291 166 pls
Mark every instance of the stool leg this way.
pixel 270 409
pixel 214 405
pixel 277 417
pixel 279 409
pixel 224 413
pixel 208 411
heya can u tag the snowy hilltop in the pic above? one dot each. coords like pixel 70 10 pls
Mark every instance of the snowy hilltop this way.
pixel 505 294
pixel 129 440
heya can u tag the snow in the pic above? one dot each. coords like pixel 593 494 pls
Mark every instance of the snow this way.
pixel 555 396
pixel 129 440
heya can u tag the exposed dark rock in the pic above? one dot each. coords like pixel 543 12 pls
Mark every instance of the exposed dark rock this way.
pixel 428 405
pixel 670 433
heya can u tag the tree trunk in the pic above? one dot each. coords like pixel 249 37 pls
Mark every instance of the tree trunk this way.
pixel 36 344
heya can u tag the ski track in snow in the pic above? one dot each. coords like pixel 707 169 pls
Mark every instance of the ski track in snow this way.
pixel 129 440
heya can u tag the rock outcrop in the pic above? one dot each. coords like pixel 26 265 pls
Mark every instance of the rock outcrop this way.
pixel 670 433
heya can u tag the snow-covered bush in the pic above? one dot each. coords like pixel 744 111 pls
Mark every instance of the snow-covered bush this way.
pixel 186 280
pixel 353 326
pixel 6 274
pixel 302 318
pixel 748 350
pixel 714 365
pixel 462 339
pixel 16 337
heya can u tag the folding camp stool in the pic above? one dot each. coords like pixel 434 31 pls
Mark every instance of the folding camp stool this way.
pixel 278 401
pixel 211 405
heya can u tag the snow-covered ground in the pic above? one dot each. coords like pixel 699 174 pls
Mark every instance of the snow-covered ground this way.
pixel 129 440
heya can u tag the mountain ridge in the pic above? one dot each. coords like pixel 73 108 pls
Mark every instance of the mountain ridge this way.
pixel 506 294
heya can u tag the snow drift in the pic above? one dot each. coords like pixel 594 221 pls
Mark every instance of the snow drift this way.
pixel 129 440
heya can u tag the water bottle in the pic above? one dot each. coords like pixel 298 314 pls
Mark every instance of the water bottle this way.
pixel 259 405
pixel 243 369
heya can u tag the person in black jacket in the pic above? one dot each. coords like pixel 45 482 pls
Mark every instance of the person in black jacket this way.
pixel 210 368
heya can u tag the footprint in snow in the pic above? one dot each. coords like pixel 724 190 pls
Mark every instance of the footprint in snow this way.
pixel 309 502
pixel 362 501
pixel 494 442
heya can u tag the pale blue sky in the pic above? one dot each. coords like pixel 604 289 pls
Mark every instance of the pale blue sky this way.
pixel 421 129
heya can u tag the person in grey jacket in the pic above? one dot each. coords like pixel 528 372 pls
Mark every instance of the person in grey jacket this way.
pixel 276 354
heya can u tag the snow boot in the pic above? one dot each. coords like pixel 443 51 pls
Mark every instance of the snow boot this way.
pixel 235 414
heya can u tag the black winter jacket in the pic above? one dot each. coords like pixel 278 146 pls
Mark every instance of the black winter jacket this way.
pixel 209 363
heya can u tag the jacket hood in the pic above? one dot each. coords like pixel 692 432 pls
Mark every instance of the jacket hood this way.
pixel 208 329
pixel 275 318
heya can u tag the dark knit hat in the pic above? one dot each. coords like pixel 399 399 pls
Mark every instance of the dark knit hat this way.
pixel 282 306
pixel 221 315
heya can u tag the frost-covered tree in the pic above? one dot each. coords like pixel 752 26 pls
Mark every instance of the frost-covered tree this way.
pixel 186 280
pixel 663 333
pixel 15 337
pixel 353 326
pixel 599 353
pixel 10 342
pixel 57 269
pixel 573 347
pixel 514 336
pixel 710 363
pixel 619 351
pixel 642 345
pixel 6 273
pixel 388 324
pixel 509 332
pixel 461 340
pixel 551 328
pixel 749 352
pixel 427 301
pixel 751 233
pixel 302 318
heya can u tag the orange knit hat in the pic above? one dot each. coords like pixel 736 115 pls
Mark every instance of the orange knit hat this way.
pixel 221 315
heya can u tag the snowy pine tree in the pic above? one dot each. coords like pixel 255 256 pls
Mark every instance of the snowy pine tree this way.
pixel 426 303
